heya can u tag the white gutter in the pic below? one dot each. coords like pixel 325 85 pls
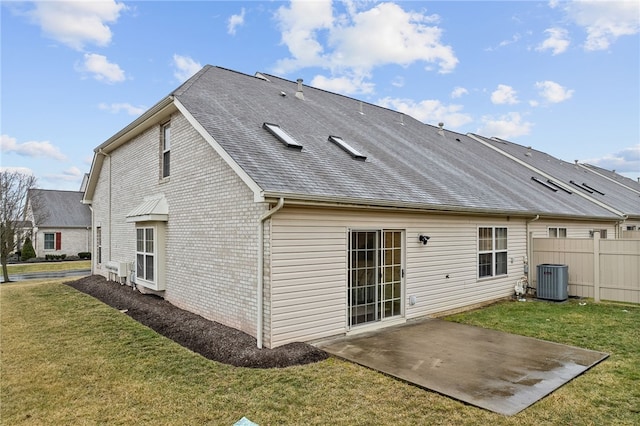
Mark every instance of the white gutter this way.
pixel 260 290
pixel 546 175
pixel 530 245
pixel 101 152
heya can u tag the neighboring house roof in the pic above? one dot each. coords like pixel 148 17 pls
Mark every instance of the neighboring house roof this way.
pixel 623 198
pixel 408 163
pixel 59 209
pixel 611 174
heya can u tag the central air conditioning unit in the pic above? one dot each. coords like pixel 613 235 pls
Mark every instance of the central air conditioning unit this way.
pixel 120 269
pixel 553 282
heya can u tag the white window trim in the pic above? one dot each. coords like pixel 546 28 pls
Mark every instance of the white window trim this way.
pixel 557 229
pixel 158 282
pixel 44 241
pixel 493 252
pixel 164 150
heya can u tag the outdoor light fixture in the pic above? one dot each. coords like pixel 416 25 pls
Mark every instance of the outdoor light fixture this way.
pixel 424 239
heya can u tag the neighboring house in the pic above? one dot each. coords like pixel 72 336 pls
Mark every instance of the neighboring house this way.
pixel 618 194
pixel 61 223
pixel 296 214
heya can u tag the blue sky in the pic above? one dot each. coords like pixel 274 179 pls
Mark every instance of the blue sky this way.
pixel 560 76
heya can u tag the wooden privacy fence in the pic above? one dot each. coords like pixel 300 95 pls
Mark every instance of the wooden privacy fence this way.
pixel 598 268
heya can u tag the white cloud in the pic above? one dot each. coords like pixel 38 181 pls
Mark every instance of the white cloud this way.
pixel 557 42
pixel 31 148
pixel 117 107
pixel 553 92
pixel 604 21
pixel 346 85
pixel 504 95
pixel 235 21
pixel 398 81
pixel 101 68
pixel 625 161
pixel 72 174
pixel 185 67
pixel 358 41
pixel 507 126
pixel 428 111
pixel 22 170
pixel 458 92
pixel 77 23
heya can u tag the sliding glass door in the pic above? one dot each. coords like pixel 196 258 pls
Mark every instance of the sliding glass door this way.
pixel 376 275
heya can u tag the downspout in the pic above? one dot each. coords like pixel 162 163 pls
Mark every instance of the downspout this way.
pixel 619 227
pixel 529 247
pixel 100 151
pixel 91 240
pixel 260 290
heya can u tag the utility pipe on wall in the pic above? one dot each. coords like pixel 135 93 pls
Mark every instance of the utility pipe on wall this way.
pixel 529 246
pixel 260 290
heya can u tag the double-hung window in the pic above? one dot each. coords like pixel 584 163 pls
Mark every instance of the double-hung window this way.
pixel 145 254
pixel 53 241
pixel 492 251
pixel 166 149
pixel 557 232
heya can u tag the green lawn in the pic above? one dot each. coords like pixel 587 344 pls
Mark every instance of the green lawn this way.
pixel 23 268
pixel 69 359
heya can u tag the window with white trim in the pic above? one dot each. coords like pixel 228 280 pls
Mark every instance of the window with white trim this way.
pixel 53 241
pixel 555 232
pixel 99 243
pixel 492 251
pixel 145 254
pixel 166 149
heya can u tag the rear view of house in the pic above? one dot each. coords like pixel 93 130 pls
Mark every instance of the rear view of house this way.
pixel 296 214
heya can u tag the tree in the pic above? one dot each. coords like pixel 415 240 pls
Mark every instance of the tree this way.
pixel 27 250
pixel 14 187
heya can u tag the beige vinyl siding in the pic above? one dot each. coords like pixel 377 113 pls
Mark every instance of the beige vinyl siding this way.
pixel 309 266
pixel 575 229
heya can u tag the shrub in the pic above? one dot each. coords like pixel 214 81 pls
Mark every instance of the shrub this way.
pixel 27 250
pixel 84 255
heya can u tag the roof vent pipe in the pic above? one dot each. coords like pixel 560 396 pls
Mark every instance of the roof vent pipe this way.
pixel 299 93
pixel 441 130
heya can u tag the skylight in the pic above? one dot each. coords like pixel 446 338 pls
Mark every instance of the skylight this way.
pixel 545 184
pixel 581 187
pixel 282 136
pixel 592 188
pixel 562 188
pixel 347 148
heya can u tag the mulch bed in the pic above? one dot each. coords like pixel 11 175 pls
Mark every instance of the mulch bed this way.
pixel 208 338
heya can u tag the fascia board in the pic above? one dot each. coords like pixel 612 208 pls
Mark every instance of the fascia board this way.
pixel 355 203
pixel 253 186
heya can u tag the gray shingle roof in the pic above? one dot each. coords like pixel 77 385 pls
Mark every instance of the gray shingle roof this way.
pixel 61 209
pixel 408 162
pixel 615 195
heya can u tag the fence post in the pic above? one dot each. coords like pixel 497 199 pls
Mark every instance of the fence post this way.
pixel 596 266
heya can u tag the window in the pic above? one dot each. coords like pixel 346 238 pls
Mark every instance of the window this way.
pixel 145 254
pixel 557 232
pixel 166 149
pixel 49 241
pixel 99 243
pixel 603 233
pixel 631 228
pixel 492 251
pixel 53 241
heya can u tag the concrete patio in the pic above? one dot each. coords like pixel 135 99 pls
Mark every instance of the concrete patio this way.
pixel 497 371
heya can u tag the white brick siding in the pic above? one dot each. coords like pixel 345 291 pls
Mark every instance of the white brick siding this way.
pixel 74 241
pixel 212 230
